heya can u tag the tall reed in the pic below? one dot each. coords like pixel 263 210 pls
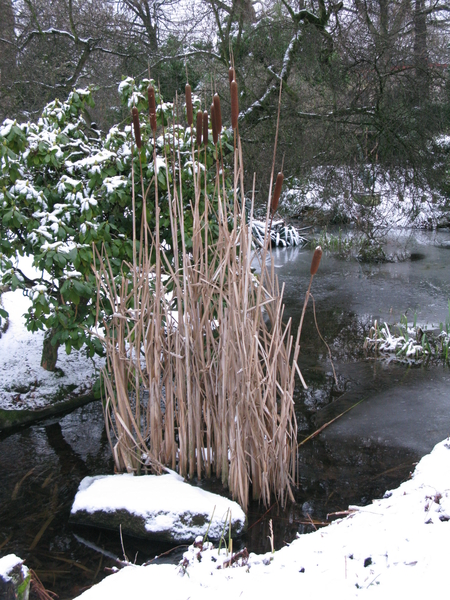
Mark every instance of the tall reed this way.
pixel 199 371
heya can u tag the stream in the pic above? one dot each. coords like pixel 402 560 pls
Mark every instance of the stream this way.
pixel 395 414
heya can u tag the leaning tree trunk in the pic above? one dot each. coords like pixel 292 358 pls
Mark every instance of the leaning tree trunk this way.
pixel 49 351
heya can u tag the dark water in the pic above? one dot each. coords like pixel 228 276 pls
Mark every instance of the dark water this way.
pixel 403 411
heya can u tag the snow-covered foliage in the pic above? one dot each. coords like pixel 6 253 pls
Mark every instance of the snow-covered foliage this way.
pixel 370 197
pixel 409 343
pixel 281 234
pixel 64 188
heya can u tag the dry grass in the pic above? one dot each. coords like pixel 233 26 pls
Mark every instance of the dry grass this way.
pixel 200 366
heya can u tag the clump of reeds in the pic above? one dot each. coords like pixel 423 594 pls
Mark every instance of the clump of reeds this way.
pixel 200 370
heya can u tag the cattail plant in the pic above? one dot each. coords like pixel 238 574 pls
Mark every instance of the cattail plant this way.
pixel 217 114
pixel 152 107
pixel 189 109
pixel 316 260
pixel 231 75
pixel 208 389
pixel 276 193
pixel 136 127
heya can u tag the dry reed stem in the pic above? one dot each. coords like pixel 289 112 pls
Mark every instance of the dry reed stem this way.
pixel 205 128
pixel 215 133
pixel 234 104
pixel 199 122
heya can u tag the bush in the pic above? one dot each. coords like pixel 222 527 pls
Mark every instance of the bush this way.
pixel 65 188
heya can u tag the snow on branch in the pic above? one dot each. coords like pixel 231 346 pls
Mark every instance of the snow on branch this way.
pixel 283 76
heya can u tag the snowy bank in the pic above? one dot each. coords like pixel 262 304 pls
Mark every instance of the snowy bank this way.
pixel 397 546
pixel 24 385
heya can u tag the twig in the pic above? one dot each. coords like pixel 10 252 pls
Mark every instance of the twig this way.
pixel 234 558
pixel 328 347
pixel 316 433
pixel 39 589
pixel 311 521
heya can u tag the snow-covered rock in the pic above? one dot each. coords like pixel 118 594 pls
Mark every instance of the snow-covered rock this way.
pixel 14 578
pixel 162 507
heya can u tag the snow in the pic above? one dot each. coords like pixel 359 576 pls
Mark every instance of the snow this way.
pixel 159 500
pixel 113 183
pixel 93 161
pixel 398 546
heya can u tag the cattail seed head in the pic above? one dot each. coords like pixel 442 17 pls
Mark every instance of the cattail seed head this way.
pixel 231 75
pixel 189 109
pixel 277 193
pixel 152 106
pixel 214 124
pixel 234 104
pixel 205 127
pixel 136 126
pixel 199 128
pixel 217 113
pixel 316 260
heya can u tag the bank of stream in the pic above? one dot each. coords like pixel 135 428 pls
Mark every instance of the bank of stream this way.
pixel 399 412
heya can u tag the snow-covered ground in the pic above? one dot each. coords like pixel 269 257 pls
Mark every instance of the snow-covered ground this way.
pixel 24 384
pixel 382 199
pixel 396 547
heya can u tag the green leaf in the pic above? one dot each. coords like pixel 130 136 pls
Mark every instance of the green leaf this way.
pixel 74 297
pixel 60 260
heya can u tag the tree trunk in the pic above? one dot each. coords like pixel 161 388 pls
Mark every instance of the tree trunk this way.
pixel 49 351
pixel 7 56
pixel 421 53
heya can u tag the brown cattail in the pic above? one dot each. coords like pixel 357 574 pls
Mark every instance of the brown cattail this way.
pixel 205 127
pixel 234 104
pixel 152 107
pixel 189 110
pixel 217 114
pixel 136 126
pixel 231 75
pixel 214 124
pixel 276 193
pixel 199 128
pixel 316 260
